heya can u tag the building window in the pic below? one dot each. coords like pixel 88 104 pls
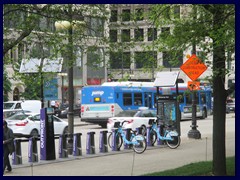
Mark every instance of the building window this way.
pixel 96 26
pixel 119 60
pixel 145 59
pixel 165 30
pixel 114 16
pixel 138 35
pixel 126 15
pixel 95 57
pixel 152 34
pixel 113 35
pixel 170 61
pixel 139 14
pixel 125 35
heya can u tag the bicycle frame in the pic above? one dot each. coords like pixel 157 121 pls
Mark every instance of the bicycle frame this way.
pixel 121 132
pixel 166 136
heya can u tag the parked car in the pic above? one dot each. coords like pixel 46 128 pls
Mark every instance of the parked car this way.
pixel 134 118
pixel 28 124
pixel 28 105
pixel 230 106
pixel 62 112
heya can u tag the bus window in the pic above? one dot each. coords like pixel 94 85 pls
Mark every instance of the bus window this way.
pixel 127 99
pixel 138 99
pixel 148 100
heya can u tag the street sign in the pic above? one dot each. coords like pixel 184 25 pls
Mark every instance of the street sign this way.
pixel 193 85
pixel 50 90
pixel 193 67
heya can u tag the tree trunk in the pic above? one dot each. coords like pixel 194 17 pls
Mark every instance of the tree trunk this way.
pixel 219 104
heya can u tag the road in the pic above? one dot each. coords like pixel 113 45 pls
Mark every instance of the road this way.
pixel 125 162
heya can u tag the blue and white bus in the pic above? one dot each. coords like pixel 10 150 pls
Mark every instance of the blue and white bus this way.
pixel 103 101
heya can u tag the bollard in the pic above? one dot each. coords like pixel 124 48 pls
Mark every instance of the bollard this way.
pixel 77 144
pixel 128 136
pixel 17 155
pixel 103 146
pixel 63 151
pixel 149 143
pixel 115 141
pixel 90 143
pixel 32 150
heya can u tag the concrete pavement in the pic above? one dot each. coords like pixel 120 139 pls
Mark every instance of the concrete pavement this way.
pixel 127 163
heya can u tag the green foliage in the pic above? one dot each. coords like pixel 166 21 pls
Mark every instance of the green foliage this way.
pixel 32 84
pixel 196 169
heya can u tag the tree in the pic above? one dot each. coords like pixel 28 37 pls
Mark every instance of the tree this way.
pixel 212 29
pixel 32 26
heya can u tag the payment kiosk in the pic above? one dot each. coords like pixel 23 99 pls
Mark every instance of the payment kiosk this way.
pixel 47 142
pixel 168 112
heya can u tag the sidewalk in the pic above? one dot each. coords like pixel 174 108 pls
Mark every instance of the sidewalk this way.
pixel 127 163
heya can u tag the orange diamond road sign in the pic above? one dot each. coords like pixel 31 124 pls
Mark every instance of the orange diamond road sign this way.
pixel 193 85
pixel 193 67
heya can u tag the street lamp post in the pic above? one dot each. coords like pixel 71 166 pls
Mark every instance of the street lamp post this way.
pixel 194 132
pixel 68 25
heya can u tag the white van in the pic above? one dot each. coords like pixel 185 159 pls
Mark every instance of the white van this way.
pixel 28 105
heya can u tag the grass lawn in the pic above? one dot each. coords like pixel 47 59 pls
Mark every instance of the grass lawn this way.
pixel 197 169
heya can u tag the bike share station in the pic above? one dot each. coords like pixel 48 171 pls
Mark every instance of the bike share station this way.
pixel 168 113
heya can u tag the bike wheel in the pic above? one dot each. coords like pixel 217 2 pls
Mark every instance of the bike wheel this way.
pixel 141 146
pixel 119 141
pixel 153 137
pixel 174 143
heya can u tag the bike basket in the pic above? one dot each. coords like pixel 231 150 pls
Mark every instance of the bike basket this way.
pixel 116 124
pixel 173 133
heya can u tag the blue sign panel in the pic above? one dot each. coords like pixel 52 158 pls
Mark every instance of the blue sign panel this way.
pixel 50 90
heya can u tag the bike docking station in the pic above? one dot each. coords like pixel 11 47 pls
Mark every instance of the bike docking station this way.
pixel 77 144
pixel 168 112
pixel 103 145
pixel 115 140
pixel 90 145
pixel 17 155
pixel 32 150
pixel 47 142
pixel 63 151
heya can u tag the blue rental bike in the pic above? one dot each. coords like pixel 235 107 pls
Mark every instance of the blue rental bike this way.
pixel 170 136
pixel 137 141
